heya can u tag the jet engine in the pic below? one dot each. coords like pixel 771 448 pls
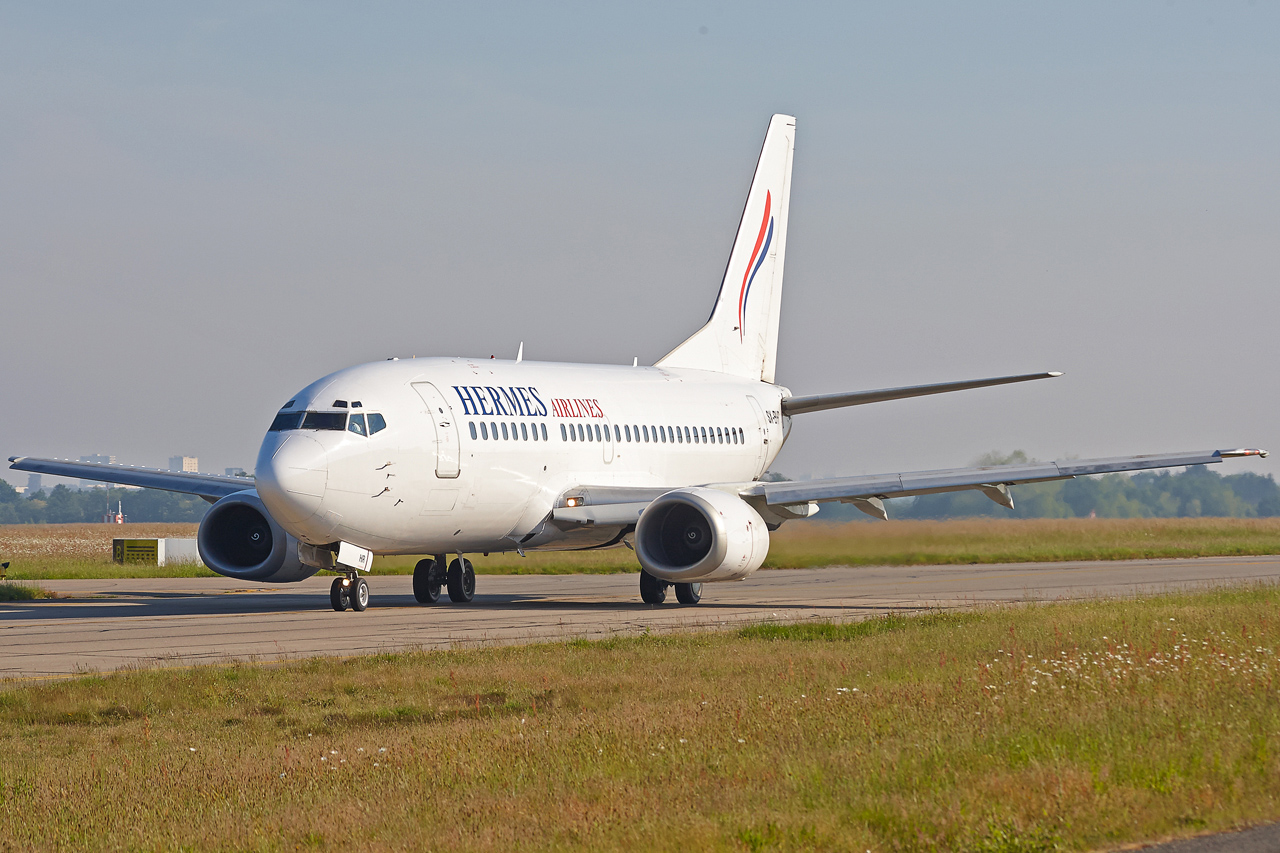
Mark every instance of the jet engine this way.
pixel 695 535
pixel 239 538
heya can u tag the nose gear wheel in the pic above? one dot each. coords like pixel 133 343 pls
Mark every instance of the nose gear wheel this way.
pixel 349 593
pixel 338 595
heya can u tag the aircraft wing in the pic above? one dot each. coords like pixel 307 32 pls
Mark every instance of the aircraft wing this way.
pixel 820 402
pixel 868 492
pixel 211 487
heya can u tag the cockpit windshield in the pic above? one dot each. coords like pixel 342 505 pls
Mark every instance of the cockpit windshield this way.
pixel 286 420
pixel 325 420
pixel 336 421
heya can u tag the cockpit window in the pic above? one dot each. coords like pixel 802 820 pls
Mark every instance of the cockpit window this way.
pixel 325 420
pixel 356 424
pixel 286 420
pixel 376 423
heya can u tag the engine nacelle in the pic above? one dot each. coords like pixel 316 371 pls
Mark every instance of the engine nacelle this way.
pixel 695 535
pixel 239 538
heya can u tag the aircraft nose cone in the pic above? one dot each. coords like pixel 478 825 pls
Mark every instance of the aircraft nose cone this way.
pixel 291 477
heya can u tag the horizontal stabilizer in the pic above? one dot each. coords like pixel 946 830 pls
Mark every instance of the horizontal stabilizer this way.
pixel 211 487
pixel 819 402
pixel 993 480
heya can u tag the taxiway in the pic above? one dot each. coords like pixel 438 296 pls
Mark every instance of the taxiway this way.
pixel 101 625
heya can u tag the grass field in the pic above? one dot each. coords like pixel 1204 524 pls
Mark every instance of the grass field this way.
pixel 1072 726
pixel 84 550
pixel 53 551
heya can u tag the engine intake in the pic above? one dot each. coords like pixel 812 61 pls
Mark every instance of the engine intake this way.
pixel 239 538
pixel 696 535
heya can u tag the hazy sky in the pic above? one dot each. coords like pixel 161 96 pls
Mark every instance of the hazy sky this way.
pixel 202 211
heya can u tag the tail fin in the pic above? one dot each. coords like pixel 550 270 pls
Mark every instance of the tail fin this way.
pixel 741 338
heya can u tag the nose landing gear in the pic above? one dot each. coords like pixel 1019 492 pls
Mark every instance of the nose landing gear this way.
pixel 349 592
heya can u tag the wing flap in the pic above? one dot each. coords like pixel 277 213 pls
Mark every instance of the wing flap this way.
pixel 211 487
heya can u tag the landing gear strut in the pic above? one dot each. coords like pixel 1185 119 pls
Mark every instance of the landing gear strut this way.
pixel 349 592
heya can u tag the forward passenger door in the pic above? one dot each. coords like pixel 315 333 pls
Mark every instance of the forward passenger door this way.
pixel 446 430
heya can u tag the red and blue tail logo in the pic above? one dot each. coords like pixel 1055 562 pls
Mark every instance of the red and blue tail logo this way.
pixel 763 240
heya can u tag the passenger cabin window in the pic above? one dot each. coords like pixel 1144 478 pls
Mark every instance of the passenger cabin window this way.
pixel 544 432
pixel 472 425
pixel 377 423
pixel 617 433
pixel 646 435
pixel 564 435
pixel 325 420
pixel 356 424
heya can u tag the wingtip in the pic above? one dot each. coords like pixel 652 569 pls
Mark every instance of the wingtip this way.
pixel 1244 451
pixel 1056 373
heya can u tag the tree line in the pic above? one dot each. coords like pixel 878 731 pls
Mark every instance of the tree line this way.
pixel 65 506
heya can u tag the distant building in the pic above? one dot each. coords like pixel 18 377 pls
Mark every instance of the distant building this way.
pixel 236 472
pixel 33 484
pixel 189 464
pixel 100 460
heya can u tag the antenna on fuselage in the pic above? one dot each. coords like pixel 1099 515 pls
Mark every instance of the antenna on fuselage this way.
pixel 520 353
pixel 635 361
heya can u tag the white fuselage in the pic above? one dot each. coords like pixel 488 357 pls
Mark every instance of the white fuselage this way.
pixel 462 464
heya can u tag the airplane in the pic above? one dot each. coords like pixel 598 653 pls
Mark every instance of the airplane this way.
pixel 452 455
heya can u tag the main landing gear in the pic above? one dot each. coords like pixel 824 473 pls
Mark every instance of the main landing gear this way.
pixel 654 590
pixel 349 592
pixel 430 575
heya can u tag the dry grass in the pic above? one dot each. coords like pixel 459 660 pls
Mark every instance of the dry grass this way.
pixel 1019 540
pixel 84 550
pixel 52 551
pixel 1048 727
